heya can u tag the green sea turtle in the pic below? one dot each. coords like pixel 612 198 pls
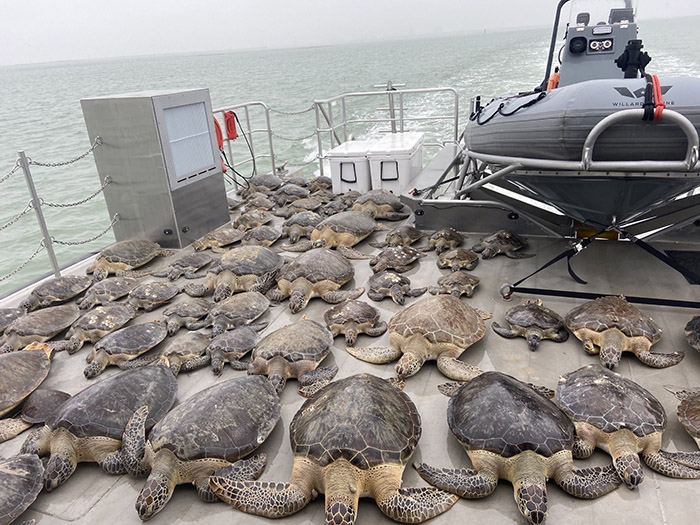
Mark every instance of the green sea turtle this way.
pixel 456 283
pixel 97 323
pixel 320 183
pixel 36 408
pixel 397 258
pixel 261 236
pixel 457 259
pixel 502 241
pixel 289 193
pixel 391 284
pixel 217 240
pixel 108 290
pixel 380 204
pixel 152 294
pixel 298 206
pixel 534 322
pixel 443 240
pixel 39 326
pixel 258 201
pixel 210 432
pixel 252 219
pixel 404 235
pixel 352 318
pixel 333 207
pixel 235 311
pixel 125 256
pixel 264 183
pixel 350 440
pixel 186 313
pixel 186 265
pixel 512 432
pixel 184 353
pixel 300 225
pixel 56 290
pixel 20 484
pixel 231 347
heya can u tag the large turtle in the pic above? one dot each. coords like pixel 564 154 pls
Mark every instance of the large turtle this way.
pixel 352 318
pixel 351 439
pixel 502 241
pixel 185 313
pixel 218 239
pixel 89 426
pixel 688 413
pixel 397 258
pixel 300 225
pixel 610 325
pixel 125 256
pixel 621 417
pixel 231 347
pixel 20 484
pixel 298 206
pixel 264 183
pixel 258 201
pixel 512 432
pixel 439 327
pixel 289 193
pixel 211 430
pixel 240 269
pixel 317 273
pixel 57 290
pixel 457 259
pixel 380 204
pixel 295 350
pixel 456 283
pixel 261 236
pixel 404 235
pixel 252 219
pixel 108 290
pixel 40 326
pixel 443 240
pixel 152 294
pixel 37 408
pixel 97 323
pixel 186 265
pixel 534 322
pixel 394 285
pixel 234 312
pixel 185 353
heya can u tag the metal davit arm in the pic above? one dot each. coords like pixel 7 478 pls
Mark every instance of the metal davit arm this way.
pixel 553 43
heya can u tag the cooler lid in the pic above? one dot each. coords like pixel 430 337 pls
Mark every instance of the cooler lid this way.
pixel 397 144
pixel 351 149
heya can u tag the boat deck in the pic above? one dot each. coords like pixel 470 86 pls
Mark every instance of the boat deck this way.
pixel 90 496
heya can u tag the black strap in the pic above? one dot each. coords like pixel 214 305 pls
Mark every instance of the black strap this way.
pixel 649 103
pixel 688 274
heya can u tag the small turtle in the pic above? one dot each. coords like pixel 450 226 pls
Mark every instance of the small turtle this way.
pixel 21 373
pixel 40 326
pixel 352 439
pixel 235 311
pixel 289 193
pixel 123 345
pixel 185 313
pixel 439 327
pixel 97 323
pixel 20 479
pixel 89 426
pixel 397 258
pixel 621 417
pixel 234 204
pixel 295 350
pixel 261 236
pixel 298 206
pixel 324 195
pixel 125 256
pixel 458 259
pixel 37 408
pixel 456 283
pixel 380 204
pixel 299 180
pixel 252 219
pixel 502 241
pixel 152 294
pixel 349 197
pixel 443 240
pixel 218 239
pixel 185 265
pixel 8 315
pixel 352 318
pixel 692 332
pixel 232 346
pixel 611 325
pixel 106 291
pixel 57 290
pixel 534 322
pixel 333 207
pixel 391 284
pixel 320 183
pixel 240 269
pixel 689 415
pixel 300 225
pixel 317 273
pixel 402 236
pixel 199 437
pixel 264 183
pixel 185 353
pixel 510 431
pixel 258 201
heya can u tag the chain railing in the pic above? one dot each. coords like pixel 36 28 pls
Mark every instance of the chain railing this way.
pixel 25 263
pixel 11 172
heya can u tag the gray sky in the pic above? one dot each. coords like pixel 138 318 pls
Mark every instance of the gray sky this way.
pixel 34 31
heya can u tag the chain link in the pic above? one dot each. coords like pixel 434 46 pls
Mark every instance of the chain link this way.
pixel 98 142
pixel 12 171
pixel 115 219
pixel 106 183
pixel 25 263
pixel 294 140
pixel 18 217
pixel 292 112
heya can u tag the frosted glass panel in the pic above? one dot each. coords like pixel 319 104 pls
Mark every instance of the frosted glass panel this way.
pixel 188 134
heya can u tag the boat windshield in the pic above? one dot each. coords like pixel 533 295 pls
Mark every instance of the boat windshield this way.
pixel 602 12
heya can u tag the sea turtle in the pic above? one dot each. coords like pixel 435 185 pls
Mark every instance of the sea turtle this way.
pixel 125 256
pixel 37 408
pixel 317 273
pixel 218 239
pixel 289 193
pixel 8 315
pixel 610 325
pixel 264 183
pixel 40 326
pixel 152 294
pixel 261 236
pixel 240 269
pixel 440 327
pixel 231 347
pixel 397 258
pixel 458 259
pixel 123 345
pixel 20 484
pixel 258 201
pixel 21 373
pixel 320 183
pixel 350 440
pixel 203 435
pixel 185 353
pixel 295 350
pixel 621 417
pixel 324 195
pixel 185 313
pixel 443 240
pixel 402 236
pixel 689 415
pixel 97 323
pixel 252 219
pixel 534 322
pixel 391 284
pixel 299 180
pixel 106 291
pixel 185 265
pixel 512 432
pixel 349 197
pixel 692 332
pixel 300 225
pixel 56 290
pixel 298 206
pixel 502 241
pixel 456 283
pixel 235 311
pixel 89 426
pixel 352 318
pixel 332 207
pixel 380 204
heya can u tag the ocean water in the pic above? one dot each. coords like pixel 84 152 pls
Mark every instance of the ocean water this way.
pixel 40 109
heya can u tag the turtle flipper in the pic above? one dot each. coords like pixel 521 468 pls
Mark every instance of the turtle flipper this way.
pixel 668 466
pixel 265 282
pixel 194 363
pixel 375 354
pixel 394 216
pixel 658 360
pixel 562 335
pixel 382 244
pixel 134 443
pixel 338 296
pixel 415 505
pixel 352 253
pixel 38 442
pixel 582 448
pixel 242 470
pixel 262 498
pixel 12 427
pixel 314 380
pixel 449 389
pixel 512 254
pixel 689 459
pixel 588 483
pixel 138 362
pixel 376 330
pixel 417 292
pixel 455 369
pixel 466 483
pixel 303 246
pixel 508 333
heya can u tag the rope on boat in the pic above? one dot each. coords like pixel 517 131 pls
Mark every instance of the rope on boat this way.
pixel 292 112
pixel 115 220
pixel 106 183
pixel 98 142
pixel 12 171
pixel 18 217
pixel 25 263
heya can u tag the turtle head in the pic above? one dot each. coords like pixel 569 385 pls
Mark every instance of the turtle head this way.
pixel 99 274
pixel 277 373
pixel 408 365
pixel 298 300
pixel 30 303
pixel 532 502
pixel 534 336
pixel 629 468
pixel 611 346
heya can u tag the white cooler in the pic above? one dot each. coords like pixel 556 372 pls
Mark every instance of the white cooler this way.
pixel 395 160
pixel 350 167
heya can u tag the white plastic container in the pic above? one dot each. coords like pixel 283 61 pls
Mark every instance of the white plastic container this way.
pixel 350 167
pixel 395 160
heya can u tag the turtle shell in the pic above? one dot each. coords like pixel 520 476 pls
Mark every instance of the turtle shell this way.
pixel 133 253
pixel 385 279
pixel 319 264
pixel 241 340
pixel 20 484
pixel 266 180
pixel 103 409
pixel 41 404
pixel 357 223
pixel 440 319
pixel 254 217
pixel 380 197
pixel 58 290
pixel 598 396
pixel 133 340
pixel 403 235
pixel 689 414
pixel 449 234
pixel 500 241
pixel 245 305
pixel 228 420
pixel 158 291
pixel 222 237
pixel 304 340
pixel 397 256
pixel 20 374
pixel 351 311
pixel 8 315
pixel 251 260
pixel 108 317
pixel 468 257
pixel 192 307
pixel 110 289
pixel 497 413
pixel 604 313
pixel 362 419
pixel 292 190
pixel 459 278
pixel 261 234
pixel 305 219
pixel 45 323
pixel 534 314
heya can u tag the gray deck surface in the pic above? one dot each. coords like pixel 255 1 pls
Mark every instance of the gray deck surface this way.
pixel 91 497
